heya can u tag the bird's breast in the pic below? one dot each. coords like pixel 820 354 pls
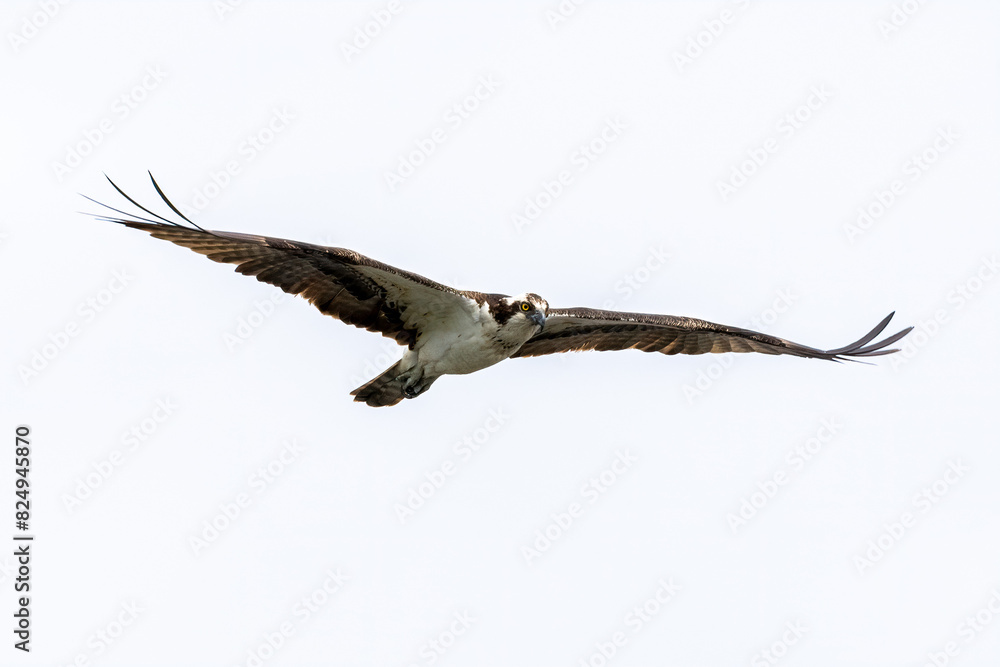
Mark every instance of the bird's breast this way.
pixel 457 350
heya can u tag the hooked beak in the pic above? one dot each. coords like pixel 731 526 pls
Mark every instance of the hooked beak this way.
pixel 537 318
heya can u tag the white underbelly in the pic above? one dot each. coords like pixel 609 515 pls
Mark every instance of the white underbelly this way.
pixel 459 355
pixel 456 345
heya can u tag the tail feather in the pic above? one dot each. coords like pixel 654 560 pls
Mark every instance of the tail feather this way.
pixel 384 390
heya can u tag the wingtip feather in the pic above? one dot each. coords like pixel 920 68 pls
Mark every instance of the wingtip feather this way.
pixel 134 220
pixel 861 347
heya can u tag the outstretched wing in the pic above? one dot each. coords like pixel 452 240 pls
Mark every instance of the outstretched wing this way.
pixel 339 282
pixel 572 329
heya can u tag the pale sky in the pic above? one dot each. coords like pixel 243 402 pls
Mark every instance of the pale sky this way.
pixel 203 489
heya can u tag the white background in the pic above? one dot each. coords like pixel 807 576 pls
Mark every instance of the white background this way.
pixel 705 433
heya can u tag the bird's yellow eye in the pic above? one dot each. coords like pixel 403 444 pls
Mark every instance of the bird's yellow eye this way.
pixel 525 306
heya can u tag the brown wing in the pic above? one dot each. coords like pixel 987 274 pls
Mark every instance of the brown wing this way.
pixel 572 329
pixel 339 282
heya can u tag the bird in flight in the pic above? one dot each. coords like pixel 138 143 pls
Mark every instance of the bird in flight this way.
pixel 453 332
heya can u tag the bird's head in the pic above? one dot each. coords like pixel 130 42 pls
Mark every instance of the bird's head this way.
pixel 527 308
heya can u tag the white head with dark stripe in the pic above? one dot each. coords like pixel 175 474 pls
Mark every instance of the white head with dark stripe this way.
pixel 524 312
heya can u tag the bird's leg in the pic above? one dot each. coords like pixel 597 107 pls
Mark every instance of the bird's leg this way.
pixel 416 386
pixel 411 382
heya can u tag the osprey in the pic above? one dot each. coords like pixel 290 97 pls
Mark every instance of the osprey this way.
pixel 452 332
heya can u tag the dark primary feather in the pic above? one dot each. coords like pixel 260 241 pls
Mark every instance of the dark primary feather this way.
pixel 572 329
pixel 339 282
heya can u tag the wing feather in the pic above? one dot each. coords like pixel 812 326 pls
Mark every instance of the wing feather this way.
pixel 578 329
pixel 339 282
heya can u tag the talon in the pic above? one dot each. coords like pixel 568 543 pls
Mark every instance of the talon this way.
pixel 410 392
